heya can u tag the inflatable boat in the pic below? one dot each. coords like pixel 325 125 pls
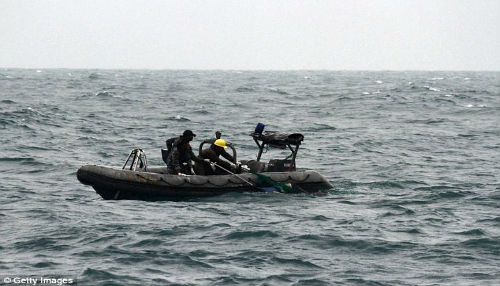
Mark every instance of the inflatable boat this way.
pixel 135 180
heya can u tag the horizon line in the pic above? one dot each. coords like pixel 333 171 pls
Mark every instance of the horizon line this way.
pixel 254 70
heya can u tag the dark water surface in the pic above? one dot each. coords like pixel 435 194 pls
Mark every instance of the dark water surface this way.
pixel 413 157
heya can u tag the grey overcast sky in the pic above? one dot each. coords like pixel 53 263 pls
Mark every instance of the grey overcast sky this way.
pixel 254 34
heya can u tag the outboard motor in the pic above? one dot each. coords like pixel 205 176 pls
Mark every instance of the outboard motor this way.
pixel 277 165
pixel 139 160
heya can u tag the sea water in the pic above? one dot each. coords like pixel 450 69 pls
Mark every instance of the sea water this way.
pixel 413 158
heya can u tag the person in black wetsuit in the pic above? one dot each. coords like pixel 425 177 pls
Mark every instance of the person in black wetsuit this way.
pixel 180 157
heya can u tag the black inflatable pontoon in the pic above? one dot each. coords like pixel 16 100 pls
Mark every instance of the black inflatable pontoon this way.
pixel 113 183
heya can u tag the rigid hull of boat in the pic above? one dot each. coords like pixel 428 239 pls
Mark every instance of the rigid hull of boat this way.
pixel 114 183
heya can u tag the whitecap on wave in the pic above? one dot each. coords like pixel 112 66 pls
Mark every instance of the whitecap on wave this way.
pixel 104 93
pixel 432 88
pixel 478 105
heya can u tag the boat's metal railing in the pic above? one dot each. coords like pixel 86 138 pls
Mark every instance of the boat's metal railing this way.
pixel 139 159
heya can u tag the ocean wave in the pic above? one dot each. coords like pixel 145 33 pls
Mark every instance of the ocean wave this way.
pixel 105 93
pixel 89 130
pixel 491 245
pixel 277 91
pixel 98 277
pixel 294 262
pixel 244 89
pixel 99 240
pixel 21 113
pixel 45 264
pixel 202 253
pixel 251 234
pixel 146 243
pixel 437 188
pixel 30 118
pixel 468 135
pixel 23 160
pixel 401 210
pixel 319 218
pixel 384 184
pixel 446 100
pixel 445 192
pixel 367 143
pixel 451 195
pixel 347 202
pixel 321 127
pixel 175 87
pixel 472 232
pixel 40 243
pixel 202 112
pixel 366 282
pixel 374 246
pixel 345 98
pixel 410 231
pixel 431 88
pixel 427 121
pixel 178 117
pixel 444 257
pixel 9 122
pixel 94 76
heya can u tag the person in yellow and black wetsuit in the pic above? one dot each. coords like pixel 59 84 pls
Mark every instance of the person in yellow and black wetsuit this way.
pixel 211 155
